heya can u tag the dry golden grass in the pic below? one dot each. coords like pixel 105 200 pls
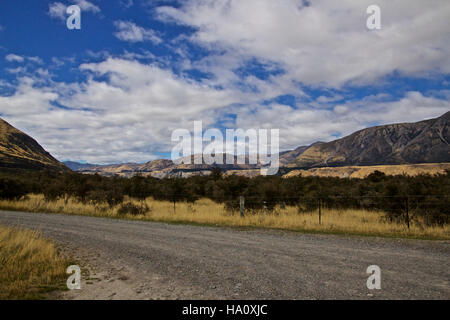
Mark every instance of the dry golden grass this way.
pixel 208 212
pixel 363 171
pixel 30 265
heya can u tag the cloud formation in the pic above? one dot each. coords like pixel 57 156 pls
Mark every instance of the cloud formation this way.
pixel 129 116
pixel 126 111
pixel 129 31
pixel 308 68
pixel 11 57
pixel 14 58
pixel 305 125
pixel 58 10
pixel 323 42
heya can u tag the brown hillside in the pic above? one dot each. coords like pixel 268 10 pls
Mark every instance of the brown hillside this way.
pixel 404 143
pixel 364 171
pixel 18 150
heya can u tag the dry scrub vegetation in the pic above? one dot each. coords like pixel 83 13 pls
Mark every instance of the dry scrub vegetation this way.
pixel 30 265
pixel 208 212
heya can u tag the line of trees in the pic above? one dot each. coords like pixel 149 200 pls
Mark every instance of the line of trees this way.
pixel 426 196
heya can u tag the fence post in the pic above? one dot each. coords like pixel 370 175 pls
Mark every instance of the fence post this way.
pixel 242 205
pixel 407 211
pixel 320 211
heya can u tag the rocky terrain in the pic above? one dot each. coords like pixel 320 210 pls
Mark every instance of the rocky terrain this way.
pixel 404 143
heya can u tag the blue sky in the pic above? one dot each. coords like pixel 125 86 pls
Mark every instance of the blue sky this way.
pixel 137 70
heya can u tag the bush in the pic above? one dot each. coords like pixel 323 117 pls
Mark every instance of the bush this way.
pixel 12 190
pixel 133 209
pixel 111 197
pixel 53 192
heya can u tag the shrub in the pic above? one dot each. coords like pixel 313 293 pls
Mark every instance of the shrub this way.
pixel 53 192
pixel 111 197
pixel 133 209
pixel 12 190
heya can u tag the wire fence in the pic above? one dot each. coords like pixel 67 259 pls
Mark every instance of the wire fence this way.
pixel 433 209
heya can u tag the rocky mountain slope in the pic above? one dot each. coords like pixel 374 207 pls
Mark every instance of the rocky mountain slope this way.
pixel 403 143
pixel 18 150
pixel 288 157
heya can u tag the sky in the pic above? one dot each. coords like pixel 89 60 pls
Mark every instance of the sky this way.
pixel 114 90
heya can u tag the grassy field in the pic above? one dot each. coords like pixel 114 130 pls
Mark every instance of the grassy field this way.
pixel 207 212
pixel 30 265
pixel 363 171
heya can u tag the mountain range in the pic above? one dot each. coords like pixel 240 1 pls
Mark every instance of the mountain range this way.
pixel 425 141
pixel 402 143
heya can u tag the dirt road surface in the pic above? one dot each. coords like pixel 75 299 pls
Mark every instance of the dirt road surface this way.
pixel 145 260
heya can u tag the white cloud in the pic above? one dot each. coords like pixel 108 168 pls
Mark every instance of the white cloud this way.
pixel 305 125
pixel 17 70
pixel 27 100
pixel 58 10
pixel 126 3
pixel 14 58
pixel 329 99
pixel 129 31
pixel 326 42
pixel 35 60
pixel 146 55
pixel 87 6
pixel 127 117
pixel 341 109
pixel 125 111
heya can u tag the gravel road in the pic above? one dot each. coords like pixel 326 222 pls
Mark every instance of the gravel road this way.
pixel 147 260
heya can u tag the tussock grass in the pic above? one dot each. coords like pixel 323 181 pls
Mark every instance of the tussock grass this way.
pixel 362 172
pixel 30 265
pixel 207 212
